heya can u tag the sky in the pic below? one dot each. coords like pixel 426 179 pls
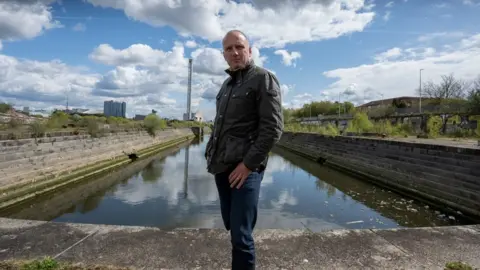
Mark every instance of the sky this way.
pixel 137 51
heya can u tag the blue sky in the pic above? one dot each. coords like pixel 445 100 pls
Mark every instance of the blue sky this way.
pixel 137 51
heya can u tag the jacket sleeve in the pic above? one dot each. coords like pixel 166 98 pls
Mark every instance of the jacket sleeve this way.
pixel 270 126
pixel 207 149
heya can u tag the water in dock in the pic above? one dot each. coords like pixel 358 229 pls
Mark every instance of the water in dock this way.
pixel 176 191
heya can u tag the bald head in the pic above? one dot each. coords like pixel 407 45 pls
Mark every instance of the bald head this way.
pixel 236 49
pixel 237 33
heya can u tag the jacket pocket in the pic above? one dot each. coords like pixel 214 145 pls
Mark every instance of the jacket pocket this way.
pixel 235 149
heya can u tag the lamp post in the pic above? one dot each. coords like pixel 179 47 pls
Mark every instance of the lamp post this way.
pixel 420 92
pixel 310 107
pixel 339 106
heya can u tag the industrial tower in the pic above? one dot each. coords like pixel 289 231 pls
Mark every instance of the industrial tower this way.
pixel 189 93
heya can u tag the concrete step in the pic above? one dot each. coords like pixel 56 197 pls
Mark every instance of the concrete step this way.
pixel 462 172
pixel 334 149
pixel 14 146
pixel 381 144
pixel 61 165
pixel 467 167
pixel 51 171
pixel 54 158
pixel 413 167
pixel 45 149
pixel 79 159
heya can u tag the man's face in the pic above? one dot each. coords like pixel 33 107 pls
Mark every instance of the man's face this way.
pixel 236 50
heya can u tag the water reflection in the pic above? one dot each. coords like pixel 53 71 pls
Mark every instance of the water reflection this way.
pixel 177 191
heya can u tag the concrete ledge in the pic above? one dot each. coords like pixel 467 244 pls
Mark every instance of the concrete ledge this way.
pixel 26 191
pixel 152 248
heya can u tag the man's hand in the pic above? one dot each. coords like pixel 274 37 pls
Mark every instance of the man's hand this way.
pixel 238 176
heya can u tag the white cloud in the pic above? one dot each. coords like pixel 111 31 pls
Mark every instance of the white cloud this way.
pixel 441 36
pixel 79 27
pixel 389 4
pixel 285 88
pixel 388 55
pixel 471 2
pixel 191 44
pixel 49 82
pixel 288 58
pixel 298 100
pixel 257 57
pixel 399 75
pixel 300 20
pixel 209 60
pixel 386 17
pixel 441 5
pixel 144 77
pixel 25 19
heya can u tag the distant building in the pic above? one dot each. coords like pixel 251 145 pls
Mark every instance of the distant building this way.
pixel 407 101
pixel 139 117
pixel 116 109
pixel 198 117
pixel 187 118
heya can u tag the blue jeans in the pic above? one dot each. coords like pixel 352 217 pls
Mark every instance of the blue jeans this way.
pixel 239 214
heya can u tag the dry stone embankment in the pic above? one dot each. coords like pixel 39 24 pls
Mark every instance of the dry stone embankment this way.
pixel 29 160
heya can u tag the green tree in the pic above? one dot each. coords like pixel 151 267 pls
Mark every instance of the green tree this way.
pixel 58 119
pixel 4 107
pixel 473 99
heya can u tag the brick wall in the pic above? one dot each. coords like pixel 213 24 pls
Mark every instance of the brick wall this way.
pixel 442 174
pixel 27 160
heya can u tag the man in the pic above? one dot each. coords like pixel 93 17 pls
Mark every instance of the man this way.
pixel 248 123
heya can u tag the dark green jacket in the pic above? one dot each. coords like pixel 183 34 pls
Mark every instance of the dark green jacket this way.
pixel 248 121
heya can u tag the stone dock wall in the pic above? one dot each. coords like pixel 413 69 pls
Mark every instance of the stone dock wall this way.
pixel 62 200
pixel 445 176
pixel 27 162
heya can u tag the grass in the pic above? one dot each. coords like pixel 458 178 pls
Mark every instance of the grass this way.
pixel 96 126
pixel 458 266
pixel 362 124
pixel 48 263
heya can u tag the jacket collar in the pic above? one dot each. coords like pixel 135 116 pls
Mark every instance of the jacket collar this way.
pixel 239 74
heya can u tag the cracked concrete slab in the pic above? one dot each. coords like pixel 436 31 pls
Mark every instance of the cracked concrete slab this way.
pixel 434 245
pixel 153 248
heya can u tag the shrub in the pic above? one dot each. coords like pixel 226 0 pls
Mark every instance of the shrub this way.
pixel 360 124
pixel 152 123
pixel 93 128
pixel 38 129
pixel 14 122
pixel 434 124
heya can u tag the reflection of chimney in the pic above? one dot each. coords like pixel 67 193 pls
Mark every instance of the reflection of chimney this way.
pixel 185 171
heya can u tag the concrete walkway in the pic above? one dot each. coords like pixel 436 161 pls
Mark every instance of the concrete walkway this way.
pixel 151 248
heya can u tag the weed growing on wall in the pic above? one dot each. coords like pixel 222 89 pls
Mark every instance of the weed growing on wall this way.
pixel 434 125
pixel 360 124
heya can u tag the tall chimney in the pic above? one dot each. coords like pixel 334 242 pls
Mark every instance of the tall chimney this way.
pixel 189 95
